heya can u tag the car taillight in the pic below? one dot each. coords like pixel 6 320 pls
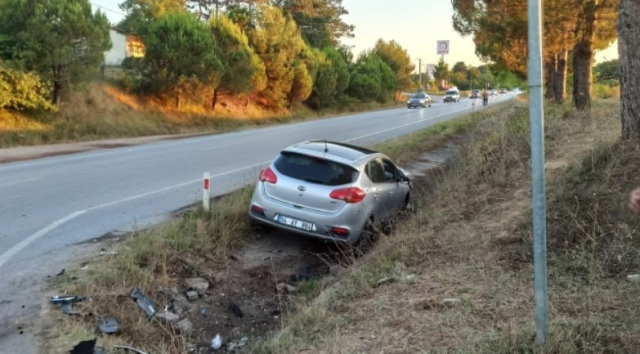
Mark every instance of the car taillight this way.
pixel 267 175
pixel 339 231
pixel 257 210
pixel 349 195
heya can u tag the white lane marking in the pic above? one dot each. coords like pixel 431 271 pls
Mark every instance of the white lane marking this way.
pixel 6 256
pixel 405 125
pixel 29 240
pixel 18 182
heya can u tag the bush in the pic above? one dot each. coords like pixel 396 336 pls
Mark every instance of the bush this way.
pixel 605 91
pixel 20 90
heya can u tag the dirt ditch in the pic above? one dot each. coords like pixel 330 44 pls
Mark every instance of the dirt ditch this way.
pixel 261 283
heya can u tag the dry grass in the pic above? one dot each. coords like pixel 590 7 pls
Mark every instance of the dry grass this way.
pixel 467 242
pixel 105 112
pixel 195 244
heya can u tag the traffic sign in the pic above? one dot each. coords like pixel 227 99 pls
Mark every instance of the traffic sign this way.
pixel 443 47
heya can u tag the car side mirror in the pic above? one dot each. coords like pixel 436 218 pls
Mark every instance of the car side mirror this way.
pixel 403 179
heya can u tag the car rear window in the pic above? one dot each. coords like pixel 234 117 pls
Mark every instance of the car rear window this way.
pixel 418 96
pixel 315 170
pixel 451 93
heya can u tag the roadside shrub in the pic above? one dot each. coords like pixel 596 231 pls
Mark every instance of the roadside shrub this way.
pixel 20 90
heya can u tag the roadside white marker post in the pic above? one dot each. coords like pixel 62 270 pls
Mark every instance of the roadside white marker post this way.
pixel 206 192
pixel 536 117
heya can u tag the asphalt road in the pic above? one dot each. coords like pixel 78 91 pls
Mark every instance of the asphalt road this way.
pixel 49 205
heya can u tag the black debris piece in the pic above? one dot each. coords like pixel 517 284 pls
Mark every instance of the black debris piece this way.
pixel 109 325
pixel 303 275
pixel 66 303
pixel 61 273
pixel 145 304
pixel 129 349
pixel 236 310
pixel 84 347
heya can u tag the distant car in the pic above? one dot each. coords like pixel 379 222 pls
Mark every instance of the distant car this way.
pixel 475 94
pixel 493 92
pixel 451 96
pixel 330 190
pixel 419 100
pixel 503 91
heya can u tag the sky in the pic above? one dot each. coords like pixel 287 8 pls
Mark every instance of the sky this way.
pixel 416 25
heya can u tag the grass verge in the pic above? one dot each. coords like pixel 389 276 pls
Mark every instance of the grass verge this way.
pixel 194 244
pixel 470 242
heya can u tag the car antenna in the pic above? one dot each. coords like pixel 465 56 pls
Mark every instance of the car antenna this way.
pixel 326 147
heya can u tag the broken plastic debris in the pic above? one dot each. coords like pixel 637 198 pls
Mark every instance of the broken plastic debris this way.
pixel 109 325
pixel 84 347
pixel 105 253
pixel 236 310
pixel 216 342
pixel 66 303
pixel 145 304
pixel 61 273
pixel 129 348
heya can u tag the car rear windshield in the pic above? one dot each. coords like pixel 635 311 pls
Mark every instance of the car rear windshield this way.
pixel 315 170
pixel 418 96
pixel 451 93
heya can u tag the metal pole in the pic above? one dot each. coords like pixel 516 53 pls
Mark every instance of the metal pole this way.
pixel 536 116
pixel 420 72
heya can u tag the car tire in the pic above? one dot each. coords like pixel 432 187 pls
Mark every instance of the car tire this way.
pixel 429 105
pixel 367 238
pixel 409 207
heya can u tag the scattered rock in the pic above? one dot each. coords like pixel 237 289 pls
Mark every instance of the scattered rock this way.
pixel 109 325
pixel 185 326
pixel 284 287
pixel 451 302
pixel 167 316
pixel 192 295
pixel 198 284
pixel 384 281
pixel 180 304
pixel 633 278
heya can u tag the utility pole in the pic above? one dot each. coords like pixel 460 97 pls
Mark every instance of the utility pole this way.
pixel 536 117
pixel 420 72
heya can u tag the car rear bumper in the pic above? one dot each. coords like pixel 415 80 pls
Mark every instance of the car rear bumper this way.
pixel 351 217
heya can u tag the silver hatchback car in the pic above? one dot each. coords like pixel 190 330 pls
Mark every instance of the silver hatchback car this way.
pixel 330 190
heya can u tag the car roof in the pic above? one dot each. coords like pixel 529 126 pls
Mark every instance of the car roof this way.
pixel 339 152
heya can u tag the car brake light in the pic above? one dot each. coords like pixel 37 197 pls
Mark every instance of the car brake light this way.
pixel 267 175
pixel 349 195
pixel 257 210
pixel 339 231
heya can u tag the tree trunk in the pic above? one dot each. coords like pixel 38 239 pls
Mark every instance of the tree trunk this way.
pixel 178 101
pixel 629 50
pixel 57 93
pixel 214 100
pixel 583 58
pixel 550 78
pixel 560 78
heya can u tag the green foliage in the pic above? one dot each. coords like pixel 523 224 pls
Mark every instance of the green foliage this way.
pixel 180 55
pixel 62 40
pixel 398 60
pixel 372 79
pixel 302 84
pixel 20 90
pixel 140 13
pixel 242 69
pixel 607 71
pixel 277 42
pixel 320 21
pixel 441 72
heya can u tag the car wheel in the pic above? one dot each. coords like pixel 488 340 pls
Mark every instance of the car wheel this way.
pixel 367 237
pixel 409 207
pixel 429 105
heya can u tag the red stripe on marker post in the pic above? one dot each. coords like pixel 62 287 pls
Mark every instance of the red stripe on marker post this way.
pixel 206 192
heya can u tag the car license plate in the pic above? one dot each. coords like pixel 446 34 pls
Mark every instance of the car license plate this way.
pixel 304 225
